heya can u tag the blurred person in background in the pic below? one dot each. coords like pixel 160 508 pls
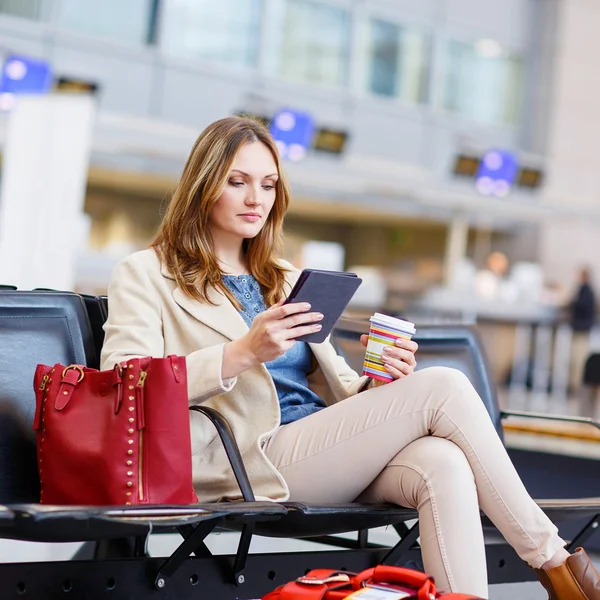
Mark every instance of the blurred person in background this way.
pixel 582 317
pixel 491 282
pixel 212 288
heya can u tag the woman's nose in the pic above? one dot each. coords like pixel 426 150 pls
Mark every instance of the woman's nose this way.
pixel 253 195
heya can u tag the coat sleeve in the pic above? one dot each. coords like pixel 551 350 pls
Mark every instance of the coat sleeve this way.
pixel 350 381
pixel 134 328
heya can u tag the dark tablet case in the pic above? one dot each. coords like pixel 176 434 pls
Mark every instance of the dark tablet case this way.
pixel 329 293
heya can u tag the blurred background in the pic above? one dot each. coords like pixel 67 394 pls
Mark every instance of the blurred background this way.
pixel 445 150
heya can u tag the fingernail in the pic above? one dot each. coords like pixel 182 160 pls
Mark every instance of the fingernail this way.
pixel 399 342
pixel 386 350
pixel 385 358
pixel 306 306
pixel 318 326
pixel 319 315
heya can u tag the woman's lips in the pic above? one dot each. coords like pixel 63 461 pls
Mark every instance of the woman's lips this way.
pixel 251 217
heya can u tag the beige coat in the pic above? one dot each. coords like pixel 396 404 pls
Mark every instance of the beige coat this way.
pixel 151 316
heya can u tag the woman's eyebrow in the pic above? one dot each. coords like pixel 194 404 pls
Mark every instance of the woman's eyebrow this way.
pixel 246 174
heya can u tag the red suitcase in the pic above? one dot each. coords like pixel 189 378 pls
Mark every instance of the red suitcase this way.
pixel 379 583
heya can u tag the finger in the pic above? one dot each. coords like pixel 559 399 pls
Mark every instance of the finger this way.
pixel 301 319
pixel 280 312
pixel 296 332
pixel 398 365
pixel 394 372
pixel 409 345
pixel 364 340
pixel 400 354
pixel 271 312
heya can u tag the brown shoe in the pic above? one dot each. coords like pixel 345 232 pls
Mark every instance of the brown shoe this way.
pixel 577 579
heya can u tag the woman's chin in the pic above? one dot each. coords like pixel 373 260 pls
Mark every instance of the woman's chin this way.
pixel 250 231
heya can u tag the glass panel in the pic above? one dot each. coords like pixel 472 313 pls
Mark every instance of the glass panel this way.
pixel 398 61
pixel 483 82
pixel 222 30
pixel 385 45
pixel 124 21
pixel 29 9
pixel 315 43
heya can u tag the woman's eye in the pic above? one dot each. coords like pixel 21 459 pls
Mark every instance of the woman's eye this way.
pixel 268 188
pixel 236 183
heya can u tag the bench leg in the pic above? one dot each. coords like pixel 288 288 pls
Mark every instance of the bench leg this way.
pixel 396 555
pixel 241 556
pixel 590 529
pixel 183 552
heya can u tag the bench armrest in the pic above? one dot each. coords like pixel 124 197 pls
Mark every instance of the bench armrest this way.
pixel 231 449
pixel 530 415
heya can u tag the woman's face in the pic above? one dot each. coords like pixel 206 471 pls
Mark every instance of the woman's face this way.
pixel 243 207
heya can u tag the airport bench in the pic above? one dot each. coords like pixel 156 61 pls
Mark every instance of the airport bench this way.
pixel 50 327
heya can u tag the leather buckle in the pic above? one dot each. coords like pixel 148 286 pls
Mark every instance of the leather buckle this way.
pixel 75 368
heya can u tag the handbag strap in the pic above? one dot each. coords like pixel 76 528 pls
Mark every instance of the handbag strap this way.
pixel 71 376
pixel 422 582
pixel 313 586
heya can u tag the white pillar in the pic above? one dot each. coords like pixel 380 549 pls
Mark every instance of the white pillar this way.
pixel 572 175
pixel 456 246
pixel 42 192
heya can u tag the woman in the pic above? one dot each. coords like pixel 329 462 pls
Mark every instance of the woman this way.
pixel 211 288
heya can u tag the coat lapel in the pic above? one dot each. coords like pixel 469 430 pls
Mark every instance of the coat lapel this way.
pixel 221 315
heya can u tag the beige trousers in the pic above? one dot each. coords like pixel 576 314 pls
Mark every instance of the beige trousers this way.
pixel 427 442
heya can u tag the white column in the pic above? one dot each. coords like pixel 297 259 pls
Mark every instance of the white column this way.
pixel 573 177
pixel 42 192
pixel 456 246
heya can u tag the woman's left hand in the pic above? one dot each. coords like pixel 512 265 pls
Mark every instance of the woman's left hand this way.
pixel 399 360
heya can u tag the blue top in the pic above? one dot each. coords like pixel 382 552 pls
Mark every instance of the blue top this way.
pixel 289 370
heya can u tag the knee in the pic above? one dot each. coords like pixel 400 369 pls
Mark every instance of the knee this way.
pixel 450 382
pixel 448 378
pixel 441 464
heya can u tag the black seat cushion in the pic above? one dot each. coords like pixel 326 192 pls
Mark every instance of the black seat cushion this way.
pixel 19 480
pixel 86 523
pixel 308 520
pixel 35 327
pixel 96 314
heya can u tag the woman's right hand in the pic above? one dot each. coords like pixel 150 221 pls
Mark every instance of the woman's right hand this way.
pixel 273 332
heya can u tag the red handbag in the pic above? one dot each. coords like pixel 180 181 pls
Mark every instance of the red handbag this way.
pixel 116 437
pixel 380 583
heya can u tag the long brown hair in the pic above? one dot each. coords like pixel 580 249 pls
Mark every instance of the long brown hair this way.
pixel 183 242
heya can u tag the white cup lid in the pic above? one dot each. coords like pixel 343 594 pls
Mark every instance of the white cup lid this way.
pixel 397 324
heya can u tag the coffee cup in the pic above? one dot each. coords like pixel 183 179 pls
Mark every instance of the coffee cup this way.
pixel 383 332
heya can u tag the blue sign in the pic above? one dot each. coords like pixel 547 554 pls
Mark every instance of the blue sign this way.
pixel 293 133
pixel 24 75
pixel 496 173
